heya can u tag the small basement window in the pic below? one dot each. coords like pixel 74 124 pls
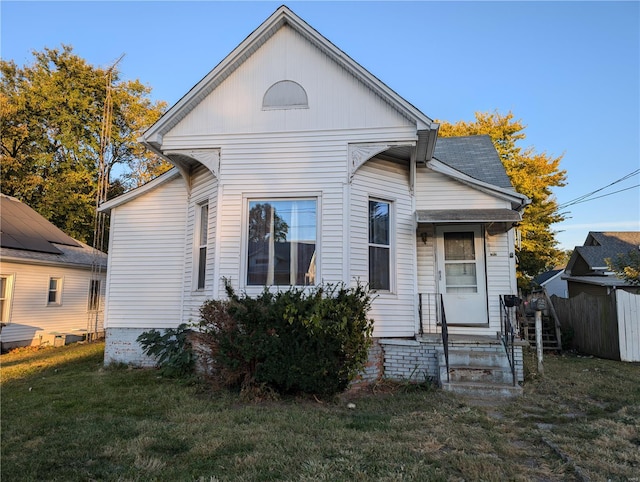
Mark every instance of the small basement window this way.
pixel 285 94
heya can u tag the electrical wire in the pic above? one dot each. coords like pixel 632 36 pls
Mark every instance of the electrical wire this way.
pixel 587 197
pixel 604 195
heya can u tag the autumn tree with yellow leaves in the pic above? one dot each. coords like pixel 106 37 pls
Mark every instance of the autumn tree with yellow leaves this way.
pixel 531 173
pixel 51 121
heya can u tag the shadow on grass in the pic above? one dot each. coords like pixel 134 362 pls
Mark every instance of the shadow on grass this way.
pixel 28 362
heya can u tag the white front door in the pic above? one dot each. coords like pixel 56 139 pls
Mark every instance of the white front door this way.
pixel 461 274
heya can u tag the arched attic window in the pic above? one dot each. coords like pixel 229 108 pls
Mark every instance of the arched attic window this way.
pixel 285 94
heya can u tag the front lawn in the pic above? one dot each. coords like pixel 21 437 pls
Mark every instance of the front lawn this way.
pixel 65 417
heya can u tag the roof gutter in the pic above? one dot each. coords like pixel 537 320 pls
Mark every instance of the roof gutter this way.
pixel 427 143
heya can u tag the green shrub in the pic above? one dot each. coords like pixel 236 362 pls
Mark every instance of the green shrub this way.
pixel 296 341
pixel 172 350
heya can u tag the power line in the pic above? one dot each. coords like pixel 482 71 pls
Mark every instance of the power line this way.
pixel 603 195
pixel 585 197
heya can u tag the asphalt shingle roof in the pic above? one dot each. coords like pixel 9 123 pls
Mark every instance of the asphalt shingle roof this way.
pixel 602 245
pixel 26 235
pixel 474 156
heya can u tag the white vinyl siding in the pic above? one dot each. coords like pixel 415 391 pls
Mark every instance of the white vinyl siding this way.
pixel 501 278
pixel 204 188
pixel 146 259
pixel 336 100
pixel 32 316
pixel 394 312
pixel 437 191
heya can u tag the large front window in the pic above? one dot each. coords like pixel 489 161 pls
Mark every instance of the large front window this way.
pixel 282 242
pixel 379 245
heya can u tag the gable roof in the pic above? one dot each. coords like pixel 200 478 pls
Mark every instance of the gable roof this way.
pixel 547 276
pixel 473 160
pixel 23 228
pixel 474 156
pixel 597 248
pixel 283 16
pixel 28 236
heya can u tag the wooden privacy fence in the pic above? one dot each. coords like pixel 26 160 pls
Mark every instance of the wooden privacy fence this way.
pixel 604 326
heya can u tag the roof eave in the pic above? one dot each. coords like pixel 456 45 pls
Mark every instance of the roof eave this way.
pixel 107 206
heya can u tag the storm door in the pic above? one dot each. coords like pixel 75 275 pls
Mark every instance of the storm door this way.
pixel 461 274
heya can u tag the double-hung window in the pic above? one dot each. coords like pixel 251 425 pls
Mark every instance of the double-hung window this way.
pixel 202 237
pixel 281 247
pixel 379 245
pixel 55 292
pixel 6 289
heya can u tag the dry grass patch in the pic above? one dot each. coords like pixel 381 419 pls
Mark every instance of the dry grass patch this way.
pixel 80 421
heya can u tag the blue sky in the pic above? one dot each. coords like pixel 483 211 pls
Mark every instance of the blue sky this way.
pixel 569 70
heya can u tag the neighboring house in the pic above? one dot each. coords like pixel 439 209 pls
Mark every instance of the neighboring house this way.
pixel 296 166
pixel 587 270
pixel 51 285
pixel 553 282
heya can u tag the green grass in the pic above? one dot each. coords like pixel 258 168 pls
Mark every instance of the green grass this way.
pixel 65 417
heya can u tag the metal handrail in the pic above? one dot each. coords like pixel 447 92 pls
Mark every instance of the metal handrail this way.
pixel 508 333
pixel 445 335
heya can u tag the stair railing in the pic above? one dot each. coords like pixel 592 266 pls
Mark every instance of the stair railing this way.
pixel 445 335
pixel 508 332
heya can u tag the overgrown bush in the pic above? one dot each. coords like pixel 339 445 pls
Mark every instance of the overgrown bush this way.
pixel 172 350
pixel 297 341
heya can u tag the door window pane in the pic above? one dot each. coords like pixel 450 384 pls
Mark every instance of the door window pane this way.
pixel 459 265
pixel 459 246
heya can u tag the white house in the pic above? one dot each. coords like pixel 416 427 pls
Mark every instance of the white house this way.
pixel 51 285
pixel 296 166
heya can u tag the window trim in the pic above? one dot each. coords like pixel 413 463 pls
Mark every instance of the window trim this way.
pixel 58 291
pixel 247 198
pixel 200 282
pixel 5 315
pixel 391 246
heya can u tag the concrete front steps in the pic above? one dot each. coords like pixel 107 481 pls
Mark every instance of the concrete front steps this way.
pixel 477 371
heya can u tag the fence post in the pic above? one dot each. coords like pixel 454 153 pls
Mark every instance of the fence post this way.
pixel 539 346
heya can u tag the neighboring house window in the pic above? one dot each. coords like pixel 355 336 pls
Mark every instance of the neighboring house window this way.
pixel 379 245
pixel 6 289
pixel 203 232
pixel 55 291
pixel 281 248
pixel 94 295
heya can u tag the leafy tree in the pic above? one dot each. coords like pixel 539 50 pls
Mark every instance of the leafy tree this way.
pixel 626 266
pixel 532 174
pixel 51 115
